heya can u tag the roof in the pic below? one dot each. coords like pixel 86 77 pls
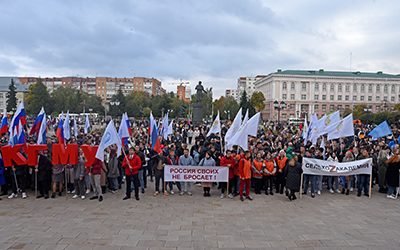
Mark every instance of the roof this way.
pixel 322 72
pixel 5 82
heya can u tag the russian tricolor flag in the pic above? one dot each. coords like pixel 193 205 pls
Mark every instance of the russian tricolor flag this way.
pixel 124 130
pixel 4 124
pixel 38 122
pixel 60 129
pixel 19 115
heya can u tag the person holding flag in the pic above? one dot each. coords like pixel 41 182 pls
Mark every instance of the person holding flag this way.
pixel 60 129
pixel 4 124
pixel 132 164
pixel 86 129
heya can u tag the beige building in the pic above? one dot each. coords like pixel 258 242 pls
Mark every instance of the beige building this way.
pixel 105 87
pixel 305 92
pixel 4 85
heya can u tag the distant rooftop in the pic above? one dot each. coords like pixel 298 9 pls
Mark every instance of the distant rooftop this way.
pixel 322 72
pixel 5 82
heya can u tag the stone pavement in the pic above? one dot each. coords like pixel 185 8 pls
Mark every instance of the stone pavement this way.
pixel 330 221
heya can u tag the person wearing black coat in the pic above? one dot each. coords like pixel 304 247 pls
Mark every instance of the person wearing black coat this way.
pixel 392 175
pixel 293 172
pixel 44 172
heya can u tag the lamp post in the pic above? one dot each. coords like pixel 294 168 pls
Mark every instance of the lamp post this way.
pixel 116 103
pixel 228 112
pixel 279 106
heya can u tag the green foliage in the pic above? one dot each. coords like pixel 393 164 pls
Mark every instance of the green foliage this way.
pixel 38 97
pixel 257 101
pixel 359 110
pixel 227 107
pixel 245 104
pixel 12 97
pixel 117 110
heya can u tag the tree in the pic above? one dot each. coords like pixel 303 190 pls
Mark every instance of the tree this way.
pixel 245 104
pixel 359 110
pixel 119 98
pixel 12 97
pixel 38 97
pixel 396 107
pixel 66 98
pixel 93 102
pixel 257 101
pixel 227 107
pixel 136 102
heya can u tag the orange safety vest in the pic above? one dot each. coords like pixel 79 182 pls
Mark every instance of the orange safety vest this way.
pixel 245 169
pixel 257 165
pixel 269 165
pixel 281 162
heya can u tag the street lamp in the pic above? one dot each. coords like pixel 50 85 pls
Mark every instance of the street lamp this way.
pixel 228 112
pixel 279 106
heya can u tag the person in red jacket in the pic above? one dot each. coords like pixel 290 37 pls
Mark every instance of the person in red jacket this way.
pixel 95 174
pixel 132 164
pixel 230 162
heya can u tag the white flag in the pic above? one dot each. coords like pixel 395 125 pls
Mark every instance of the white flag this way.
pixel 241 137
pixel 235 126
pixel 305 128
pixel 312 130
pixel 216 126
pixel 328 120
pixel 170 128
pixel 87 124
pixel 246 118
pixel 123 131
pixel 109 138
pixel 67 128
pixel 75 129
pixel 164 130
pixel 343 128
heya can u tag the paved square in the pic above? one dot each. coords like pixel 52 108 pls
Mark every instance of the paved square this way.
pixel 330 221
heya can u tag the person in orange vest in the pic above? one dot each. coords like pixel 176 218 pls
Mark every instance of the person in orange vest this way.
pixel 257 168
pixel 228 161
pixel 245 175
pixel 132 164
pixel 280 177
pixel 269 172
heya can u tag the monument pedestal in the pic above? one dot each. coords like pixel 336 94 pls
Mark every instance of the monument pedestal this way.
pixel 197 114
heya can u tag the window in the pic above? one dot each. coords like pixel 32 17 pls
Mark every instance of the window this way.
pixel 339 88
pixel 323 97
pixel 1 95
pixel 370 88
pixel 331 97
pixel 331 107
pixel 303 97
pixel 339 97
pixel 346 98
pixel 316 97
pixel 292 97
pixel 378 88
pixel 284 86
pixel 347 88
pixel 385 98
pixel 324 87
pixel 354 98
pixel 303 86
pixel 362 88
pixel 323 107
pixel 378 98
pixel 354 87
pixel 284 96
pixel 385 88
pixel 292 86
pixel 332 87
pixel 339 107
pixel 362 98
pixel 316 107
pixel 316 87
pixel 393 88
pixel 291 106
pixel 392 99
pixel 370 98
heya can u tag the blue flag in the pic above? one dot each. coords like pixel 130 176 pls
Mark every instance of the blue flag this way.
pixel 381 130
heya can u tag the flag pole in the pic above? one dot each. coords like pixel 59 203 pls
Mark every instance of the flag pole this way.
pixel 15 179
pixel 370 185
pixel 36 172
pixel 301 186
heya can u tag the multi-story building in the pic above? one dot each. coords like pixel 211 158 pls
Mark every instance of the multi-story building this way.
pixel 232 93
pixel 4 88
pixel 247 84
pixel 308 91
pixel 183 92
pixel 105 87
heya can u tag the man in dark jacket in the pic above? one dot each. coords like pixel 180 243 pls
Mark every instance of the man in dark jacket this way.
pixel 44 172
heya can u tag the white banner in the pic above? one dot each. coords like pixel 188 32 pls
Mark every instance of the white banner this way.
pixel 332 168
pixel 196 173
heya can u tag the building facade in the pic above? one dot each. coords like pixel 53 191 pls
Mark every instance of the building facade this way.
pixel 307 92
pixel 247 84
pixel 184 92
pixel 21 90
pixel 105 87
pixel 232 93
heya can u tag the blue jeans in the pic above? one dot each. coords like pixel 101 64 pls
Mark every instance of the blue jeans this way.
pixel 309 178
pixel 333 181
pixel 391 190
pixel 141 179
pixel 363 184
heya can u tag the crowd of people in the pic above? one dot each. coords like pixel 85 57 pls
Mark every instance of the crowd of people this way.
pixel 271 165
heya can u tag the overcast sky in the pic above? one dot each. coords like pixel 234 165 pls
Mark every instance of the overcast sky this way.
pixel 214 41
